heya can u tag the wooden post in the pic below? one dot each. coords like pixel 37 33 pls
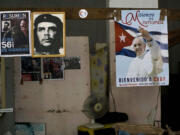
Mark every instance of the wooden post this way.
pixel 3 85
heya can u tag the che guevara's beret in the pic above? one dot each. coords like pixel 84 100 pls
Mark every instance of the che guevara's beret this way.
pixel 47 18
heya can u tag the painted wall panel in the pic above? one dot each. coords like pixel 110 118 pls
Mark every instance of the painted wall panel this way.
pixel 34 101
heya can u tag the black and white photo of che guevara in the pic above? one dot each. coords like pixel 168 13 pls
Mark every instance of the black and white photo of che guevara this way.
pixel 48 34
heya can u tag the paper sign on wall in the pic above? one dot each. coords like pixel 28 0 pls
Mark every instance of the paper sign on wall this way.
pixel 30 129
pixel 141 40
pixel 15 33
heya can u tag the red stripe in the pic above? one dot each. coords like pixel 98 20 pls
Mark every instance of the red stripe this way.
pixel 118 32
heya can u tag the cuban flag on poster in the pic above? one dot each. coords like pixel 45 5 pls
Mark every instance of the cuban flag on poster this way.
pixel 150 66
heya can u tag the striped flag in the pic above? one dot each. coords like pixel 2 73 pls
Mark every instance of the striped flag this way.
pixel 147 69
pixel 124 36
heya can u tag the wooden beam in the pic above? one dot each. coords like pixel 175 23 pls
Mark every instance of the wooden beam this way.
pixel 174 14
pixel 174 37
pixel 98 13
pixel 109 14
pixel 3 83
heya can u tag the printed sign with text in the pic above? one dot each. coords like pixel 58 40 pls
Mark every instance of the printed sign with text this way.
pixel 141 48
pixel 15 34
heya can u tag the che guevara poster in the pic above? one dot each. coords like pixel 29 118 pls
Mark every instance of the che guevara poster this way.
pixel 141 49
pixel 15 33
pixel 48 36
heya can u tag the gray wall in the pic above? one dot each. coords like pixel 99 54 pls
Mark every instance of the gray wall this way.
pixel 52 3
pixel 95 29
pixel 7 120
pixel 169 4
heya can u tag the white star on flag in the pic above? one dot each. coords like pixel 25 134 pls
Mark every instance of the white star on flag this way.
pixel 122 38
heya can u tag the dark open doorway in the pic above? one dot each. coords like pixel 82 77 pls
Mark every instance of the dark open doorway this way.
pixel 170 99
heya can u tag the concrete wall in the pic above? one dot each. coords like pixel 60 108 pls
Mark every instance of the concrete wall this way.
pixel 33 100
pixel 52 3
pixel 94 29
